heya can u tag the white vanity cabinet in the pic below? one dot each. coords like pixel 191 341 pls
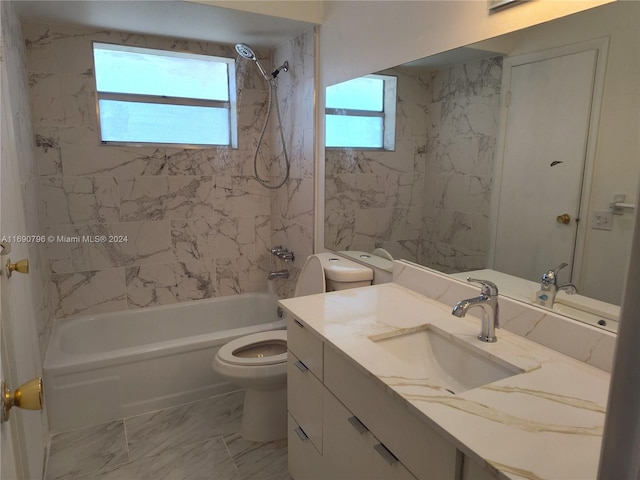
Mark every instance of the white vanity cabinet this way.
pixel 352 451
pixel 343 425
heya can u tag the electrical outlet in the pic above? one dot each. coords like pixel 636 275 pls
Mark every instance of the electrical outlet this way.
pixel 602 219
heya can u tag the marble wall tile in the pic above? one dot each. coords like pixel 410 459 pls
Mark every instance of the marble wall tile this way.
pixel 82 154
pixel 166 197
pixel 198 224
pixel 161 284
pixel 88 292
pixel 80 199
pixel 459 165
pixel 48 154
pixel 292 205
pixel 222 236
pixel 127 244
pixel 244 274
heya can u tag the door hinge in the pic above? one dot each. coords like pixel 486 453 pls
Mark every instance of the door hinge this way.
pixel 507 99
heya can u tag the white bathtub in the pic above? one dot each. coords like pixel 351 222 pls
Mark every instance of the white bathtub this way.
pixel 114 365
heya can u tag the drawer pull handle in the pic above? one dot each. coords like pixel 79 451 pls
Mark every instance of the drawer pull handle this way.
pixel 384 452
pixel 298 323
pixel 358 425
pixel 300 432
pixel 301 366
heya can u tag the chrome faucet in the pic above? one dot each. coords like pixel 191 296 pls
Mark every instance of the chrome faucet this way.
pixel 549 285
pixel 488 301
pixel 278 274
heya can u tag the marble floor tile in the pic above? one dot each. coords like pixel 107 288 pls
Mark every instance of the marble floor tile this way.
pixel 208 460
pixel 197 441
pixel 256 460
pixel 81 452
pixel 152 433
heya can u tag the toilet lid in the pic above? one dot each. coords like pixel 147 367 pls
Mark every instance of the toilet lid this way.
pixel 311 280
pixel 227 351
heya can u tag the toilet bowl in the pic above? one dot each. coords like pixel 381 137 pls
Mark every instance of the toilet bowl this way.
pixel 258 362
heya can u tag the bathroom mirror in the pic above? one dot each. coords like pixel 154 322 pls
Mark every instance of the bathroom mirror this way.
pixel 432 199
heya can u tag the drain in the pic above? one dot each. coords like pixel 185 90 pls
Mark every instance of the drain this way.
pixel 602 322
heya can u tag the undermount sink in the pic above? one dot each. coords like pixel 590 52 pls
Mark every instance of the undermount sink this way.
pixel 453 364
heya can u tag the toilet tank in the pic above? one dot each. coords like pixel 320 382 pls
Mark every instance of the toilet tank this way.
pixel 342 274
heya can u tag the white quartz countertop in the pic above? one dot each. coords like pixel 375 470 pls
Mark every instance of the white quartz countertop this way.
pixel 544 423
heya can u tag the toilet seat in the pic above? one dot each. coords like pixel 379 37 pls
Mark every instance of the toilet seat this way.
pixel 226 352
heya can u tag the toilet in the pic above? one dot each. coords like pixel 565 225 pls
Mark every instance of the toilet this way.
pixel 258 362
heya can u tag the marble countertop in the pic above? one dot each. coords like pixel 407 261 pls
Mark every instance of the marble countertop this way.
pixel 546 422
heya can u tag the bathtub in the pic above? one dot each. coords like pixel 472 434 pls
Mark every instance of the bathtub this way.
pixel 113 365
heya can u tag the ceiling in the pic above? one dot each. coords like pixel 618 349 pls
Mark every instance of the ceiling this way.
pixel 175 19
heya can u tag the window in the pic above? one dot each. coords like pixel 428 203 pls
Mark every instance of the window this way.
pixel 361 113
pixel 157 96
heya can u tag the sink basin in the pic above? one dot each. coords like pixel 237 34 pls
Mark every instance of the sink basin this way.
pixel 451 363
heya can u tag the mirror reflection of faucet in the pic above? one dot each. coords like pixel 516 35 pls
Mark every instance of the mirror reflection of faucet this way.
pixel 488 301
pixel 549 287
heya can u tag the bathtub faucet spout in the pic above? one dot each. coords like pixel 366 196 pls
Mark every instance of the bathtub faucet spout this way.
pixel 278 274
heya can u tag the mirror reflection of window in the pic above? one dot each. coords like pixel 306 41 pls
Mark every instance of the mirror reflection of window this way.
pixel 360 113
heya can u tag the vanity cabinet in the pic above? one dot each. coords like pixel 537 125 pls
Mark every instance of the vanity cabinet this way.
pixel 352 451
pixel 343 424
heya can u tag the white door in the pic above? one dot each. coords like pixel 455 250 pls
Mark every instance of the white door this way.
pixel 23 436
pixel 545 134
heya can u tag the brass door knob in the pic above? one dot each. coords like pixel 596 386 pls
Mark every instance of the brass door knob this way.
pixel 21 266
pixel 564 218
pixel 27 396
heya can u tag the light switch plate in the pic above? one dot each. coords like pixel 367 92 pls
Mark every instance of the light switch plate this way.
pixel 602 219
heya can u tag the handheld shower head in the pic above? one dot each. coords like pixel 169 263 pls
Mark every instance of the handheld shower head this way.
pixel 245 51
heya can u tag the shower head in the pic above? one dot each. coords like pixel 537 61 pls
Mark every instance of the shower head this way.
pixel 245 51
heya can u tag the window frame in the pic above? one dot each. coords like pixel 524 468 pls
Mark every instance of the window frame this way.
pixel 230 105
pixel 388 114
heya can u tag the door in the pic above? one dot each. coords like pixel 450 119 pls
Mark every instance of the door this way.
pixel 23 436
pixel 545 133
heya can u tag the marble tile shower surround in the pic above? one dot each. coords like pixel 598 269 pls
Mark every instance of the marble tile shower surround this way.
pixel 197 224
pixel 429 199
pixel 292 206
pixel 29 296
pixel 585 343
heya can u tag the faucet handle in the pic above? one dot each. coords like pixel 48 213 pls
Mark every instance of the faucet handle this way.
pixel 550 276
pixel 488 288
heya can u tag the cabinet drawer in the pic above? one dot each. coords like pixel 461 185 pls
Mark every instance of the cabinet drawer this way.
pixel 348 444
pixel 386 465
pixel 305 462
pixel 425 454
pixel 304 399
pixel 305 345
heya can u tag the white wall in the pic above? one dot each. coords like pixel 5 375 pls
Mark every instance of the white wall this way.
pixel 359 37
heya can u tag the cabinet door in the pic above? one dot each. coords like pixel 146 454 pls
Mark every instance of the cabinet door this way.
pixel 387 467
pixel 472 471
pixel 305 462
pixel 348 444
